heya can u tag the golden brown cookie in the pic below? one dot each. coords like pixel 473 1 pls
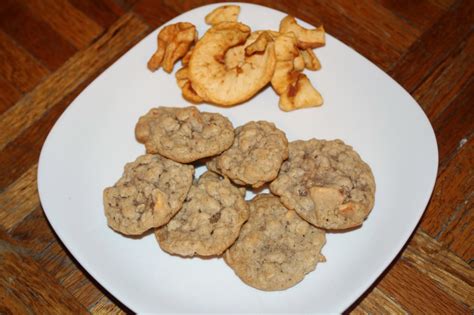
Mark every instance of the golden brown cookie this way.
pixel 184 134
pixel 209 221
pixel 256 155
pixel 276 248
pixel 327 183
pixel 151 190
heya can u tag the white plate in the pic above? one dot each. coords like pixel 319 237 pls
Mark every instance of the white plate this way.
pixel 89 145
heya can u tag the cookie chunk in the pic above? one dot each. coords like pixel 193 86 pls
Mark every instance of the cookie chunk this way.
pixel 184 134
pixel 209 221
pixel 327 183
pixel 256 155
pixel 151 190
pixel 276 248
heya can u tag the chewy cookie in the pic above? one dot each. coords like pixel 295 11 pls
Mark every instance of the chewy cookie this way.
pixel 184 134
pixel 209 221
pixel 151 190
pixel 326 183
pixel 256 155
pixel 276 248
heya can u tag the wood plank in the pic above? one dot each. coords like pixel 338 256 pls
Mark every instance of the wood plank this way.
pixel 357 311
pixel 457 231
pixel 34 232
pixel 124 5
pixel 24 285
pixel 34 34
pixel 346 28
pixel 11 304
pixel 155 13
pixel 450 273
pixel 455 125
pixel 105 306
pixel 410 288
pixel 377 302
pixel 84 288
pixel 18 67
pixel 35 235
pixel 447 80
pixel 58 262
pixel 23 151
pixel 452 188
pixel 71 23
pixel 444 4
pixel 374 17
pixel 103 12
pixel 83 66
pixel 19 199
pixel 459 234
pixel 8 94
pixel 434 46
pixel 410 11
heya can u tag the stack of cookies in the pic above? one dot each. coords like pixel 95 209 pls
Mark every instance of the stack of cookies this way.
pixel 272 241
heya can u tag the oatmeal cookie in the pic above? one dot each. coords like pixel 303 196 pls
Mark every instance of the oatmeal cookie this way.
pixel 256 155
pixel 151 190
pixel 209 221
pixel 184 134
pixel 276 248
pixel 326 183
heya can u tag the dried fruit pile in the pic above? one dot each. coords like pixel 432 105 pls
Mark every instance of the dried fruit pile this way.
pixel 231 63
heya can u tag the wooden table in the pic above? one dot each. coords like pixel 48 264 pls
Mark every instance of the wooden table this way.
pixel 50 50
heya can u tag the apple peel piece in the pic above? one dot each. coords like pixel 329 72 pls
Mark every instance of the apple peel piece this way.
pixel 220 84
pixel 300 94
pixel 174 42
pixel 306 38
pixel 225 13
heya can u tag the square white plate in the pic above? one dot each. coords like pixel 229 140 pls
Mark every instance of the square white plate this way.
pixel 94 138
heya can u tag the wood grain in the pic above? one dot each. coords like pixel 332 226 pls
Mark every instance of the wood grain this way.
pixel 18 67
pixel 126 31
pixel 34 34
pixel 445 4
pixel 457 231
pixel 58 262
pixel 19 199
pixel 447 80
pixel 105 306
pixel 73 25
pixel 103 12
pixel 24 282
pixel 24 150
pixel 377 302
pixel 410 12
pixel 51 50
pixel 456 125
pixel 61 267
pixel 35 236
pixel 434 46
pixel 156 13
pixel 8 95
pixel 33 233
pixel 366 38
pixel 448 271
pixel 452 190
pixel 412 289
